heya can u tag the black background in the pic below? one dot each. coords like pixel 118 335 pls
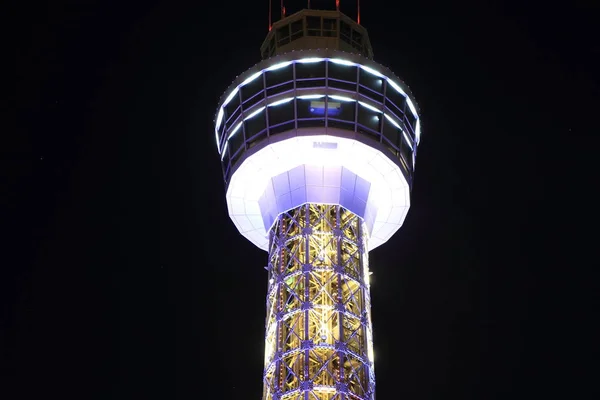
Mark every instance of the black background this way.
pixel 123 277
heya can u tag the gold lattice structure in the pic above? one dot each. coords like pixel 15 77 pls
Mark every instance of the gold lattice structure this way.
pixel 318 327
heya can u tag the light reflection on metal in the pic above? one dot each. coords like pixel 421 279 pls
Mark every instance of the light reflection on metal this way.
pixel 318 326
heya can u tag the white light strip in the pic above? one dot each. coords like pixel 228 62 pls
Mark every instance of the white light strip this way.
pixel 224 150
pixel 392 121
pixel 251 78
pixel 279 66
pixel 339 61
pixel 398 88
pixel 413 110
pixel 255 113
pixel 370 107
pixel 407 140
pixel 278 102
pixel 311 96
pixel 341 98
pixel 230 97
pixel 372 71
pixel 342 62
pixel 310 60
pixel 234 131
pixel 219 118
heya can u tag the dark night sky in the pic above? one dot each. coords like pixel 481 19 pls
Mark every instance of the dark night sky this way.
pixel 123 277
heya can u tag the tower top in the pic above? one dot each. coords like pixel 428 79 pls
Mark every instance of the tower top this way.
pixel 316 29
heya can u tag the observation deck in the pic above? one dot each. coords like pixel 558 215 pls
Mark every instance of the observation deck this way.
pixel 305 109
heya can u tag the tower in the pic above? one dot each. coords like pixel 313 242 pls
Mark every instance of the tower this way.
pixel 318 145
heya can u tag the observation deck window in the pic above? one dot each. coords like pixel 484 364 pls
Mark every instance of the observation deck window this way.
pixel 369 119
pixel 256 124
pixel 281 113
pixel 296 30
pixel 345 32
pixel 313 26
pixel 310 70
pixel 330 27
pixel 357 40
pixel 283 35
pixel 279 76
pixel 341 114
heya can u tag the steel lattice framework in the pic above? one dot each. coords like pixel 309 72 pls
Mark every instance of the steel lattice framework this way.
pixel 318 327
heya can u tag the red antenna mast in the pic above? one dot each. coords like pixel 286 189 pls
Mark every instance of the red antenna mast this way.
pixel 358 7
pixel 337 5
pixel 282 10
pixel 270 1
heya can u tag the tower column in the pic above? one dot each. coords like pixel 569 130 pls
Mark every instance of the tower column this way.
pixel 318 326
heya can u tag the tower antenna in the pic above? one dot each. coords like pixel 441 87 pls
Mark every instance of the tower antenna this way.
pixel 282 10
pixel 337 5
pixel 358 8
pixel 270 1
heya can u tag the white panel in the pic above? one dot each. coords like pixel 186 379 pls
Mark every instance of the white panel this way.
pixel 243 223
pixel 284 202
pixel 314 194
pixel 302 167
pixel 237 207
pixel 396 215
pixel 297 178
pixel 299 195
pixel 256 221
pixel 331 195
pixel 332 176
pixel 252 208
pixel 314 175
pixel 281 184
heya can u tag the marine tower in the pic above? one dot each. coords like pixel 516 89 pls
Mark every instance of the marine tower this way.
pixel 318 145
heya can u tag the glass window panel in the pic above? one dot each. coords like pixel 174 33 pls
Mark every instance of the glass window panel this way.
pixel 405 153
pixel 296 29
pixel 370 81
pixel 310 83
pixel 283 35
pixel 233 117
pixel 343 110
pixel 368 118
pixel 396 99
pixel 345 32
pixel 342 85
pixel 342 72
pixel 410 118
pixel 357 38
pixel 278 76
pixel 310 70
pixel 281 128
pixel 392 133
pixel 280 89
pixel 236 141
pixel 252 88
pixel 370 94
pixel 313 26
pixel 329 27
pixel 281 113
pixel 309 123
pixel 305 108
pixel 255 124
pixel 231 107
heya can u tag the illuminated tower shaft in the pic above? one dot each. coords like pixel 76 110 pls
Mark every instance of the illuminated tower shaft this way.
pixel 318 329
pixel 318 145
